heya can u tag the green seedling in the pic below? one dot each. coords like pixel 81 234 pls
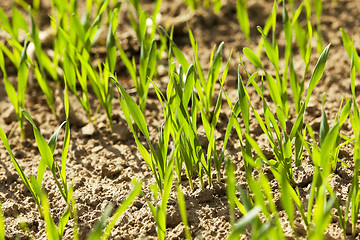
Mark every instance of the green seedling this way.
pixel 355 65
pixel 19 52
pixel 2 225
pixel 318 206
pixel 17 98
pixel 52 232
pixel 77 65
pixel 190 152
pixel 123 207
pixel 41 169
pixel 289 195
pixel 182 208
pixel 318 6
pixel 159 210
pixel 47 160
pixel 354 194
pixel 157 161
pixel 243 223
pixel 277 88
pixel 340 118
pixel 270 24
pixel 231 187
pixel 145 31
pixel 243 17
pixel 19 58
pixel 205 87
pixel 303 36
pixel 76 46
pixel 44 60
pixel 195 4
pixel 103 227
pixel 261 192
pixel 47 151
pixel 282 145
pixel 19 170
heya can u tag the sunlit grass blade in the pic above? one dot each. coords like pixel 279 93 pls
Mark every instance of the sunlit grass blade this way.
pixel 18 22
pixel 44 85
pixel 253 58
pixel 350 49
pixel 50 227
pixel 43 59
pixel 182 208
pixel 46 151
pixel 231 189
pixel 97 230
pixel 324 126
pixel 242 224
pixel 2 225
pixel 121 209
pixel 132 112
pixel 271 50
pixel 111 42
pixel 243 17
pixel 317 73
pixel 318 6
pixel 19 170
pixel 177 52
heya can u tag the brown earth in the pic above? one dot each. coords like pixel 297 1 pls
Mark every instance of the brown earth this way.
pixel 102 164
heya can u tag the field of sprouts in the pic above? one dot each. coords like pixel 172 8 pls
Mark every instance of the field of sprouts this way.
pixel 179 119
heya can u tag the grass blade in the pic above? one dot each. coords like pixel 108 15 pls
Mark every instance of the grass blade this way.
pixel 253 58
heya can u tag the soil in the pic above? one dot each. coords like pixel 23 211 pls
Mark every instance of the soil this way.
pixel 102 164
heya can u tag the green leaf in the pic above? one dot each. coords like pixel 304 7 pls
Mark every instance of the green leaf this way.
pixel 2 225
pixel 270 50
pixel 244 104
pixel 5 23
pixel 96 232
pixel 44 148
pixel 120 210
pixel 18 21
pixel 231 189
pixel 253 58
pixel 177 52
pixel 324 126
pixel 274 89
pixel 18 168
pixel 63 221
pixel 242 224
pixel 151 61
pixel 243 17
pixel 317 73
pixel 182 208
pixel 51 230
pixel 345 112
pixel 111 45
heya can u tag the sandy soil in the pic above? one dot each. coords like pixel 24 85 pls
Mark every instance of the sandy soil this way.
pixel 102 164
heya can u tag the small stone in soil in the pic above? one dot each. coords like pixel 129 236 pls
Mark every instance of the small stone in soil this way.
pixel 173 217
pixel 88 130
pixel 9 115
pixel 203 195
pixel 97 149
pixel 303 174
pixel 122 132
pixel 10 209
pixel 219 188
